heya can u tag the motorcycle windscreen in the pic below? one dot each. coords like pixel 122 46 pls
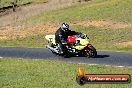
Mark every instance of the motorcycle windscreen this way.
pixel 84 42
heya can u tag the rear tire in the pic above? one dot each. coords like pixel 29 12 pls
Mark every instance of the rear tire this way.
pixel 53 52
pixel 53 45
pixel 66 55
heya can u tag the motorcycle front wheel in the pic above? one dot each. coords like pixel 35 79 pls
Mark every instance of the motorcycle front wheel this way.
pixel 90 52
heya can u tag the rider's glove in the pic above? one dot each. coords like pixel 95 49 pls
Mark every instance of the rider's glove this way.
pixel 79 33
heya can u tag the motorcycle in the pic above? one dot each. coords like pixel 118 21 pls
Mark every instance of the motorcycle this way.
pixel 79 45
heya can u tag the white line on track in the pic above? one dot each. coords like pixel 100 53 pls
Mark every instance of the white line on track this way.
pixel 107 65
pixel 1 57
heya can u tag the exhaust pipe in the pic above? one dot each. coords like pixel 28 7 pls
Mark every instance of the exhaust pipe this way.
pixel 52 49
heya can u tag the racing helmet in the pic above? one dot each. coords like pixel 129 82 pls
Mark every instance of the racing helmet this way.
pixel 65 27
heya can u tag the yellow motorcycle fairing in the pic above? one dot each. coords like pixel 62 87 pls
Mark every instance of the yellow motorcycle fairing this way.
pixel 82 45
pixel 50 38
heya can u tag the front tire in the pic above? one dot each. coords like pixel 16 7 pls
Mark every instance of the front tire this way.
pixel 90 51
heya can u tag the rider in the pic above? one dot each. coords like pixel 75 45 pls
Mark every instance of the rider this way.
pixel 61 36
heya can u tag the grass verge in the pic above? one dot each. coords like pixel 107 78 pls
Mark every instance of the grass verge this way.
pixel 33 41
pixel 27 73
pixel 119 10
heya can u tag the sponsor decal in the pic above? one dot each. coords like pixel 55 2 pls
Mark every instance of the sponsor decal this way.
pixel 83 78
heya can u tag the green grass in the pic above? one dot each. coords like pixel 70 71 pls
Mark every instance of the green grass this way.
pixel 118 10
pixel 128 48
pixel 5 3
pixel 37 41
pixel 27 73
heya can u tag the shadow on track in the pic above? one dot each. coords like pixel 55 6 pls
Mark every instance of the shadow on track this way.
pixel 98 56
pixel 102 56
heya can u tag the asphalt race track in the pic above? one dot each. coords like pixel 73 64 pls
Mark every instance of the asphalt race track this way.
pixel 104 57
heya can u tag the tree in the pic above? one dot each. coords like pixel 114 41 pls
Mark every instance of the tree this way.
pixel 14 4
